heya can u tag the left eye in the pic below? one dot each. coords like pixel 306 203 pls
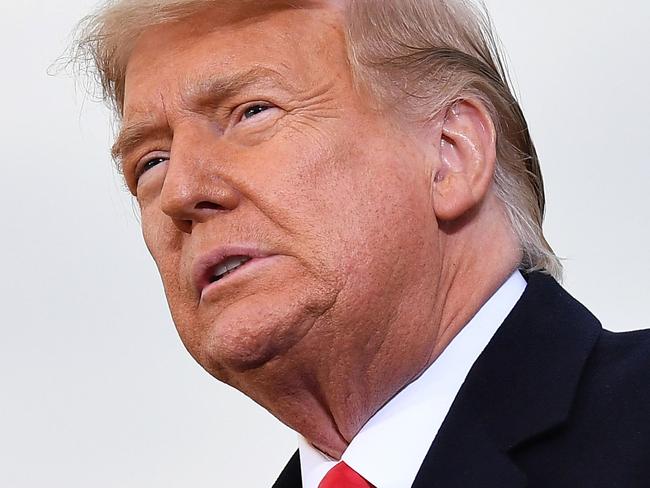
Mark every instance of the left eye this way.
pixel 148 164
pixel 254 110
pixel 151 163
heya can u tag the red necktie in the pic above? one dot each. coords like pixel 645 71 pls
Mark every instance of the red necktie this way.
pixel 343 476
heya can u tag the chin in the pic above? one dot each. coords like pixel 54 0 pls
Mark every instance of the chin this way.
pixel 251 333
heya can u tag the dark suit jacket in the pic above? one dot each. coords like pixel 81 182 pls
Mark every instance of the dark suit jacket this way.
pixel 554 401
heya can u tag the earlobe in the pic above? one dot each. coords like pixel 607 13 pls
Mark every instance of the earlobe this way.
pixel 467 150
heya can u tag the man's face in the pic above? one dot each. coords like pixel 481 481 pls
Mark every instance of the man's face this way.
pixel 251 142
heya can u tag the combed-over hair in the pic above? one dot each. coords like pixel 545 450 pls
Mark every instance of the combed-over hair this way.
pixel 420 56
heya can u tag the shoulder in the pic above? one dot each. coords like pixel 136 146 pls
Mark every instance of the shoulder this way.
pixel 622 358
pixel 619 368
pixel 612 403
pixel 604 439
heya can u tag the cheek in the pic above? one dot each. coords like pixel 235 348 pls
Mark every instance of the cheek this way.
pixel 153 231
pixel 381 199
pixel 381 224
pixel 341 198
pixel 164 243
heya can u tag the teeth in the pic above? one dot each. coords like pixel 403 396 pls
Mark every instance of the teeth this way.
pixel 228 265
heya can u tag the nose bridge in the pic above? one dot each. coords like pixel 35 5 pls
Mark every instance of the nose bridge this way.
pixel 194 187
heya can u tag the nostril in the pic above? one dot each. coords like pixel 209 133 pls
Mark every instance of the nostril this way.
pixel 208 206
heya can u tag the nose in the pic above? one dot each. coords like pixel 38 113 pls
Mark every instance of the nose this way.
pixel 194 192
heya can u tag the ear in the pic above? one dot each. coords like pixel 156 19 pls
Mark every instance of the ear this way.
pixel 467 160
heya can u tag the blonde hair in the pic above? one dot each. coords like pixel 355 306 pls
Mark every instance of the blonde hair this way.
pixel 420 56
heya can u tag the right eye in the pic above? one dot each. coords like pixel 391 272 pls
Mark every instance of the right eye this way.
pixel 149 163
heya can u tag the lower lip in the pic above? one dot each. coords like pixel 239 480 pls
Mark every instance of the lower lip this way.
pixel 242 271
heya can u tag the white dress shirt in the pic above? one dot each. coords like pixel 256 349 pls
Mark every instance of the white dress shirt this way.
pixel 391 446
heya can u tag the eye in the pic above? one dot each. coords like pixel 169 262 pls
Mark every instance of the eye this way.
pixel 253 110
pixel 149 163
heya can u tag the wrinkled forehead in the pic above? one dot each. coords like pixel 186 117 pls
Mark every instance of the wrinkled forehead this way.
pixel 193 19
pixel 219 51
pixel 201 17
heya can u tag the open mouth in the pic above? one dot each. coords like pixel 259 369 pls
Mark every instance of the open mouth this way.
pixel 227 266
pixel 220 263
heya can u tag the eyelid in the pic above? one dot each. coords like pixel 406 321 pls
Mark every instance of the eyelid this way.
pixel 240 110
pixel 140 166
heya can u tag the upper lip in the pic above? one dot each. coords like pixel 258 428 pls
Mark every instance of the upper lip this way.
pixel 204 265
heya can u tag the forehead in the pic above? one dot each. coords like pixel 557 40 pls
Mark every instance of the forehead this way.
pixel 302 42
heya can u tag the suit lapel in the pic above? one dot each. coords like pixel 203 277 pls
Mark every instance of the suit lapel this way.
pixel 290 476
pixel 521 386
pixel 463 456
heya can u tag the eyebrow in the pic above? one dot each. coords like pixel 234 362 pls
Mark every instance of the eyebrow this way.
pixel 195 96
pixel 133 135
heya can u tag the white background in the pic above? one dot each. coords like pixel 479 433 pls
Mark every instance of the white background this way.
pixel 96 389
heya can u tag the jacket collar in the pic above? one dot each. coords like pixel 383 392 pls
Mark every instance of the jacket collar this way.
pixel 521 386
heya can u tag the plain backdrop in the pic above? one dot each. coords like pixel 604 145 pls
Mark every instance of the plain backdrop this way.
pixel 96 389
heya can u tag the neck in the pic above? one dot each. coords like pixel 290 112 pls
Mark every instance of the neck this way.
pixel 331 399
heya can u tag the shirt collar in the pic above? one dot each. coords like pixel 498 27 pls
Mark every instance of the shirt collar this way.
pixel 390 448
